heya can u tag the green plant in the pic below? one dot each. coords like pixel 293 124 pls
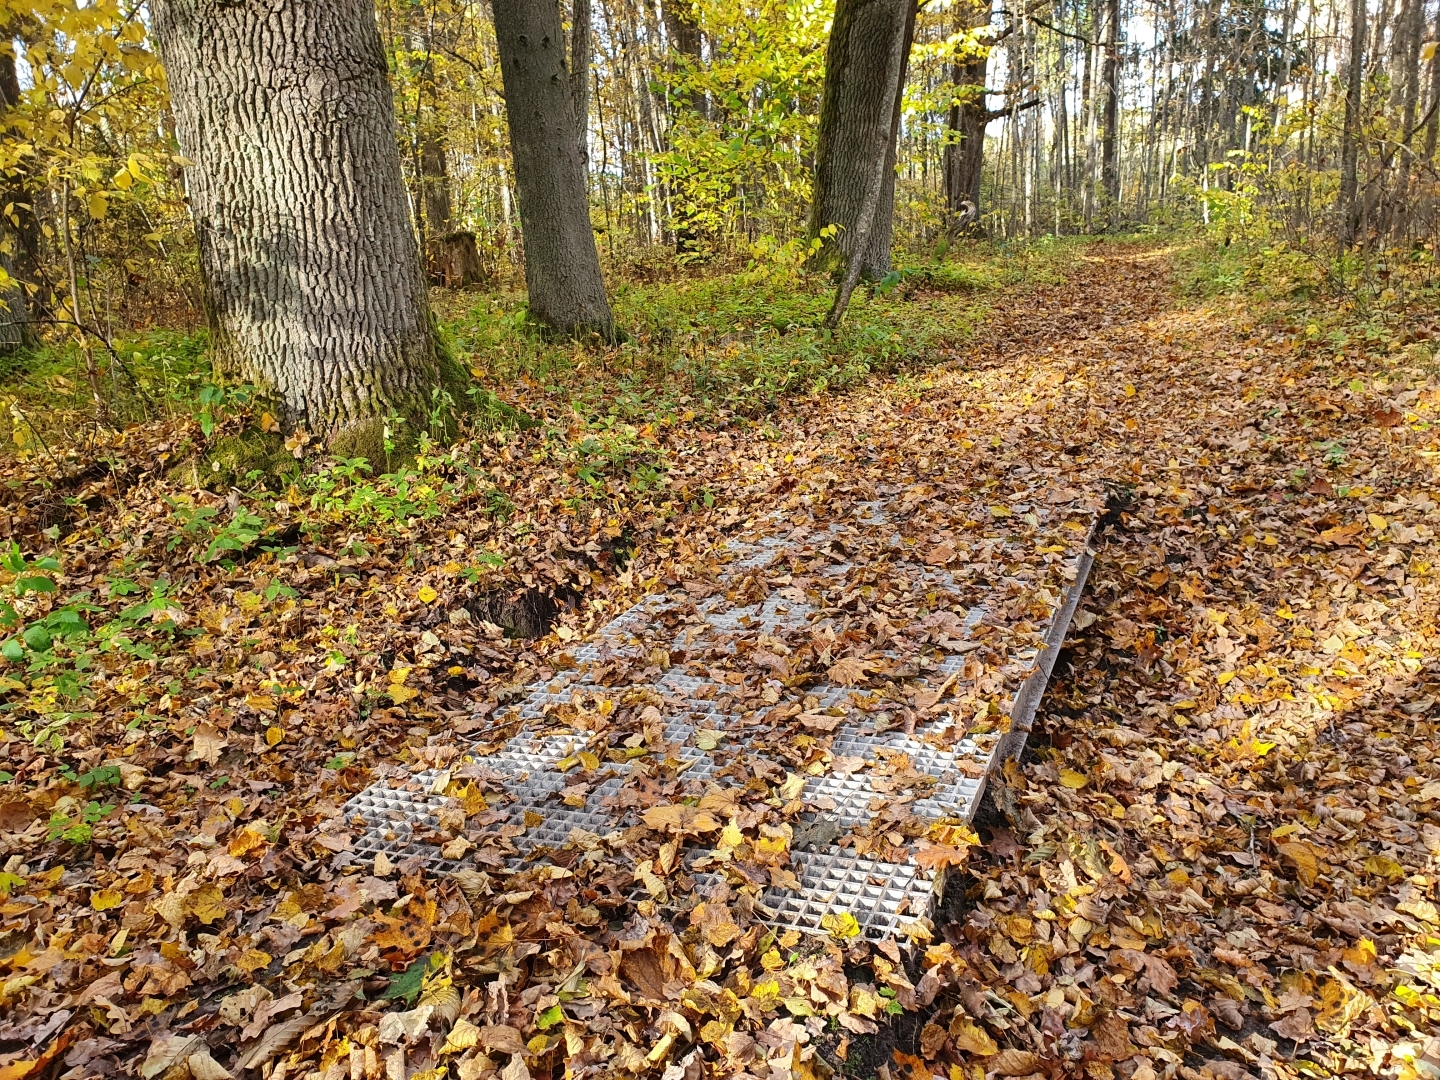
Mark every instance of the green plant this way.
pixel 78 830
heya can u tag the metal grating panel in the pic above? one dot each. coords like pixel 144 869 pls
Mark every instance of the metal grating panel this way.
pixel 401 816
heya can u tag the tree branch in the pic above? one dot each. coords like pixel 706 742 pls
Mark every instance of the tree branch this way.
pixel 1063 33
pixel 996 114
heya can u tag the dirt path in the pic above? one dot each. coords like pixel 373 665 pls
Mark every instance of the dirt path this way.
pixel 1240 760
pixel 1220 849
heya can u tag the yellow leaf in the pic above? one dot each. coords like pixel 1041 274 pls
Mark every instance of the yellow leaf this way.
pixel 1375 864
pixel 1224 677
pixel 1378 523
pixel 123 179
pixel 268 422
pixel 253 960
pixel 245 841
pixel 105 899
pixel 970 1036
pixel 1427 51
pixel 273 735
pixel 426 594
pixel 1307 866
pixel 1074 780
pixel 1129 390
pixel 840 925
pixel 98 206
pixel 772 960
pixel 207 904
pixel 401 694
pixel 462 1036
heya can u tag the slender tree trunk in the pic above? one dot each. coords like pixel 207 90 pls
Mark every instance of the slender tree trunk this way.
pixel 684 34
pixel 20 236
pixel 1110 137
pixel 435 186
pixel 312 275
pixel 581 53
pixel 864 67
pixel 1354 90
pixel 562 268
pixel 1432 101
pixel 965 149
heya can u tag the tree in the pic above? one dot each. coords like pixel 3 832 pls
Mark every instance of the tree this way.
pixel 311 269
pixel 1350 134
pixel 19 234
pixel 859 120
pixel 1110 118
pixel 562 267
pixel 964 154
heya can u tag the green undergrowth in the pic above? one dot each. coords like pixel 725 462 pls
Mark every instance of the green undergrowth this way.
pixel 738 344
pixel 717 348
pixel 1343 313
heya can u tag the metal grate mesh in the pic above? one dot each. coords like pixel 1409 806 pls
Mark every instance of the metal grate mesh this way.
pixel 403 818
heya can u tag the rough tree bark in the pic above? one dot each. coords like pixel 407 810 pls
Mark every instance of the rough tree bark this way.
pixel 1110 136
pixel 863 75
pixel 1349 136
pixel 19 238
pixel 562 267
pixel 965 149
pixel 312 274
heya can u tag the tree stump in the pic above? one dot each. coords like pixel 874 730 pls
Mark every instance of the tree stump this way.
pixel 454 261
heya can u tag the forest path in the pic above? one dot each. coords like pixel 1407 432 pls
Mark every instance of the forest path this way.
pixel 1228 840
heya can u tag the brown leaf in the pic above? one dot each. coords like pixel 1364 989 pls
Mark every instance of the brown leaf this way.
pixel 849 671
pixel 1011 1062
pixel 935 856
pixel 1112 1038
pixel 679 818
pixel 208 744
pixel 502 1038
pixel 1296 1026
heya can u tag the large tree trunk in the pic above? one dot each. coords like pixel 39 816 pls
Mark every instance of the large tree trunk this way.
pixel 863 73
pixel 965 151
pixel 312 275
pixel 562 268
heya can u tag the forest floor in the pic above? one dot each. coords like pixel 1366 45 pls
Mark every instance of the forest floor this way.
pixel 1217 858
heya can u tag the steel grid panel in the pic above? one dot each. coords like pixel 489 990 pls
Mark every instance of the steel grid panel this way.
pixel 399 816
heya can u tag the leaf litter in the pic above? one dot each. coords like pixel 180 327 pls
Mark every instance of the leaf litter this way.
pixel 1217 859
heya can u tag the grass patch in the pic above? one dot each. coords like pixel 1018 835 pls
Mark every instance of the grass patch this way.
pixel 727 345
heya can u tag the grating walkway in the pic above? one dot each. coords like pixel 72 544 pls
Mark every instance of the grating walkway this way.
pixel 706 729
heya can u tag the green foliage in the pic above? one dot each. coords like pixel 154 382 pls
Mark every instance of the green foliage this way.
pixel 742 167
pixel 76 830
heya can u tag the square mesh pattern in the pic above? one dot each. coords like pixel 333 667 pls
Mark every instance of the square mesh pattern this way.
pixel 882 896
pixel 400 816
